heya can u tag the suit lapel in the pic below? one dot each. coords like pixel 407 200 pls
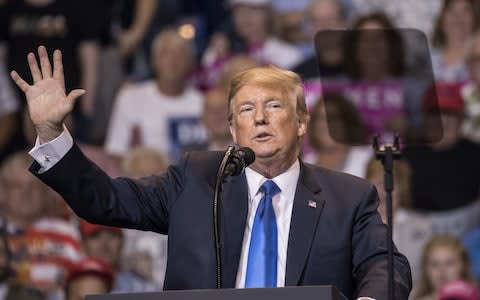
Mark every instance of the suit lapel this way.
pixel 307 207
pixel 235 210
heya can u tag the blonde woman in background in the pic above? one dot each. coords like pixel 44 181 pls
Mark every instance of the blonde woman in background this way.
pixel 444 259
pixel 337 136
pixel 145 252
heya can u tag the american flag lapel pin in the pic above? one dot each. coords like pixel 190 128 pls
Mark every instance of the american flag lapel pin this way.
pixel 312 204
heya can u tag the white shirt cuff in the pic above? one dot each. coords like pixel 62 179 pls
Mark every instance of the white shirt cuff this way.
pixel 365 298
pixel 50 153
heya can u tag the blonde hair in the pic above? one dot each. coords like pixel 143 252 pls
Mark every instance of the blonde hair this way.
pixel 424 285
pixel 132 162
pixel 288 82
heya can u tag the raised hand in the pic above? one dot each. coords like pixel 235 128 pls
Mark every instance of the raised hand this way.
pixel 48 103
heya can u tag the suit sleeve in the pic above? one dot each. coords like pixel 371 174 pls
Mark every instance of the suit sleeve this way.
pixel 370 253
pixel 94 196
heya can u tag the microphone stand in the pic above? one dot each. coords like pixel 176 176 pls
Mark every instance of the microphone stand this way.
pixel 217 215
pixel 387 154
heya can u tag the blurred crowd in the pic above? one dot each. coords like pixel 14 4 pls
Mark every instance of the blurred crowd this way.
pixel 157 75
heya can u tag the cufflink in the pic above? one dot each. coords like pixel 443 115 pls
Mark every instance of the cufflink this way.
pixel 46 158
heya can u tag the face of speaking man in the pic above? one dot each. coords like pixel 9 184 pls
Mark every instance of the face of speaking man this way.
pixel 266 121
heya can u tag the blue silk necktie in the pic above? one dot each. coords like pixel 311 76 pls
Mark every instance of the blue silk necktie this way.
pixel 262 254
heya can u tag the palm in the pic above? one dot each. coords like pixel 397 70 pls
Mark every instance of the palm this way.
pixel 48 104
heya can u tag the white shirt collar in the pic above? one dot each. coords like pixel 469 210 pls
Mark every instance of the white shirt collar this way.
pixel 287 181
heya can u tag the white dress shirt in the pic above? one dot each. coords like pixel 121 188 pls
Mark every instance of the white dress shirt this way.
pixel 48 154
pixel 282 204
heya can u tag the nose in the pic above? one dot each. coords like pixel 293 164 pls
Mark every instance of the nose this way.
pixel 260 116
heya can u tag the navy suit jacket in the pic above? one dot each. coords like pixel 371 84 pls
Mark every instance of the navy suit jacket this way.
pixel 341 241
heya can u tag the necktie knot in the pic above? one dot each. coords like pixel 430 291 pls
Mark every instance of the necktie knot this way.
pixel 270 188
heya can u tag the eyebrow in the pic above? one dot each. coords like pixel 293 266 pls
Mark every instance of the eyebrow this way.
pixel 246 102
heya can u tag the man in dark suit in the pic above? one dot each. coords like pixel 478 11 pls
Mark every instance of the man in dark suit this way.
pixel 314 226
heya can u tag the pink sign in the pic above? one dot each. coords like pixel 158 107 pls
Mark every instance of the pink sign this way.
pixel 375 102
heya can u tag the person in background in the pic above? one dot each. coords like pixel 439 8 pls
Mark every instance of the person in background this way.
pixel 444 259
pixel 289 19
pixel 380 55
pixel 37 240
pixel 143 111
pixel 374 54
pixel 253 24
pixel 328 60
pixel 338 136
pixel 214 119
pixel 145 253
pixel 102 242
pixel 10 290
pixel 471 92
pixel 454 27
pixel 415 14
pixel 25 203
pixel 411 230
pixel 251 34
pixel 215 111
pixel 106 244
pixel 56 24
pixel 445 181
pixel 126 33
pixel 89 276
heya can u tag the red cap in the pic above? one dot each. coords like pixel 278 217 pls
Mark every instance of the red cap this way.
pixel 460 290
pixel 91 266
pixel 444 96
pixel 88 229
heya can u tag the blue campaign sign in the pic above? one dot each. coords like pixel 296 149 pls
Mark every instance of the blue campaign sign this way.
pixel 182 132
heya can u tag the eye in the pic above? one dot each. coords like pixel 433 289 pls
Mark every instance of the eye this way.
pixel 274 105
pixel 246 108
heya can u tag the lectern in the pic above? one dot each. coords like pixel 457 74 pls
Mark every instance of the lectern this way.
pixel 324 292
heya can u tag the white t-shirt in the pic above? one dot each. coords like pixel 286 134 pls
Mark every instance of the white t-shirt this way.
pixel 143 106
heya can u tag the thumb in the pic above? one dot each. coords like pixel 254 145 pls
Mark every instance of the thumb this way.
pixel 73 95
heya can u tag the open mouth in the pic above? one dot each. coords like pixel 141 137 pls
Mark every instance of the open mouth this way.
pixel 262 136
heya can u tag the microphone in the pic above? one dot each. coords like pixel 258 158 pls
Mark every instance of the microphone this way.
pixel 233 163
pixel 238 161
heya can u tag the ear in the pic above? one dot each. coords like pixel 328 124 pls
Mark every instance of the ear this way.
pixel 302 126
pixel 232 132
